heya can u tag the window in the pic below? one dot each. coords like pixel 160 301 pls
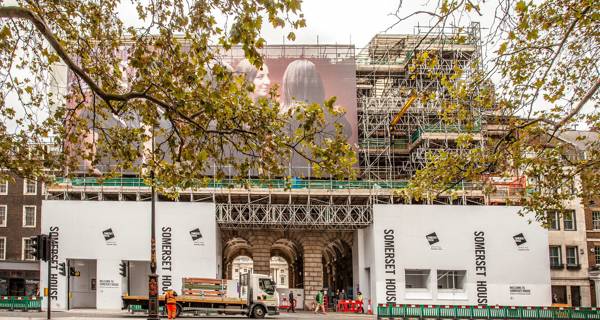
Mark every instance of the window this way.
pixel 555 257
pixel 27 249
pixel 572 257
pixel 3 215
pixel 451 279
pixel 3 187
pixel 2 248
pixel 597 253
pixel 559 294
pixel 416 279
pixel 569 220
pixel 596 220
pixel 266 285
pixel 282 280
pixel 29 216
pixel 29 186
pixel 553 220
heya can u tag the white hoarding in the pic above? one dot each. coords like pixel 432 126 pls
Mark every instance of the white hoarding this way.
pixel 113 231
pixel 468 255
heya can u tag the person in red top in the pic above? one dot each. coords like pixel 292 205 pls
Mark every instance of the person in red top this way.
pixel 171 303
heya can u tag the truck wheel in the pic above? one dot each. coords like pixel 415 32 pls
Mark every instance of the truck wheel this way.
pixel 258 312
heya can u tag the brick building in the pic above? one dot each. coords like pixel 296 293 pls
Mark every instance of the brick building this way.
pixel 20 205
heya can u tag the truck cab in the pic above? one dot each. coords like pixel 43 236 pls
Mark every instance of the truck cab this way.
pixel 262 297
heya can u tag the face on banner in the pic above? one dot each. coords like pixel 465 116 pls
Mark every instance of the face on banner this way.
pixel 306 81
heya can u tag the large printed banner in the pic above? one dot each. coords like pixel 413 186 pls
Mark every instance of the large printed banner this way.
pixel 299 79
pixel 307 80
pixel 472 255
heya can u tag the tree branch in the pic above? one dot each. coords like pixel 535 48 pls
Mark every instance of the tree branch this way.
pixel 14 12
pixel 579 106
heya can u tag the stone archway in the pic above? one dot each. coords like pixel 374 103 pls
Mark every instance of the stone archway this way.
pixel 291 252
pixel 233 248
pixel 305 251
pixel 241 264
pixel 280 271
pixel 337 267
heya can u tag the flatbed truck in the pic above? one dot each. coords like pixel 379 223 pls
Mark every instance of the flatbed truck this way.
pixel 257 298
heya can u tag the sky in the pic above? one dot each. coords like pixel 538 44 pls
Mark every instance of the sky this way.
pixel 354 21
pixel 344 21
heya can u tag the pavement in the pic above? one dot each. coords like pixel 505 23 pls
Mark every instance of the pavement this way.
pixel 106 315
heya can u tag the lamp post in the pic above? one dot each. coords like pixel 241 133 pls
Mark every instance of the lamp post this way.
pixel 153 277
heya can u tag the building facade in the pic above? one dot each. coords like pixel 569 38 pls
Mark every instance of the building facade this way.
pixel 568 256
pixel 278 269
pixel 592 218
pixel 20 218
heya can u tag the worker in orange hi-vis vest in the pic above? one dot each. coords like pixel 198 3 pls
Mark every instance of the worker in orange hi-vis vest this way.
pixel 171 304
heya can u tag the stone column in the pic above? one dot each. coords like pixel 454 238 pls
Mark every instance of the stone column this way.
pixel 261 254
pixel 596 289
pixel 313 269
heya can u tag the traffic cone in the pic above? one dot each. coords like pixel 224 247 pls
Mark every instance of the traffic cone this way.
pixel 369 308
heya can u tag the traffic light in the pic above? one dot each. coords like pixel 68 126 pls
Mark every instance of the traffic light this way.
pixel 123 269
pixel 62 269
pixel 40 246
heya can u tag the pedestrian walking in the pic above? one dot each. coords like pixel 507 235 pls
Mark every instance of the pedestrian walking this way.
pixel 359 299
pixel 292 302
pixel 342 295
pixel 336 299
pixel 319 299
pixel 171 303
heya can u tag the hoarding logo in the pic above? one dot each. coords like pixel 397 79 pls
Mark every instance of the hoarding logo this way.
pixel 197 237
pixel 433 239
pixel 520 241
pixel 109 236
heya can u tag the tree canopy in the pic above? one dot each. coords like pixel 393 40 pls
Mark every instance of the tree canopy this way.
pixel 158 82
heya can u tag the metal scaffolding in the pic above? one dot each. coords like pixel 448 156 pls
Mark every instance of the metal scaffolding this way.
pixel 290 216
pixel 397 128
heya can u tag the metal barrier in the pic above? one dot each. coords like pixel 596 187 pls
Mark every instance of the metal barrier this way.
pixel 413 311
pixel 348 305
pixel 20 303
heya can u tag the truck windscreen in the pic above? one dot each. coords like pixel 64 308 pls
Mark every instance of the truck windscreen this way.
pixel 267 286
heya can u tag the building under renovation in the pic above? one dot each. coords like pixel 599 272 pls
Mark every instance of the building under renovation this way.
pixel 398 129
pixel 327 230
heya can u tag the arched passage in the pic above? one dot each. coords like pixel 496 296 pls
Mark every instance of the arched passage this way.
pixel 233 248
pixel 316 259
pixel 337 267
pixel 241 265
pixel 289 251
pixel 280 272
